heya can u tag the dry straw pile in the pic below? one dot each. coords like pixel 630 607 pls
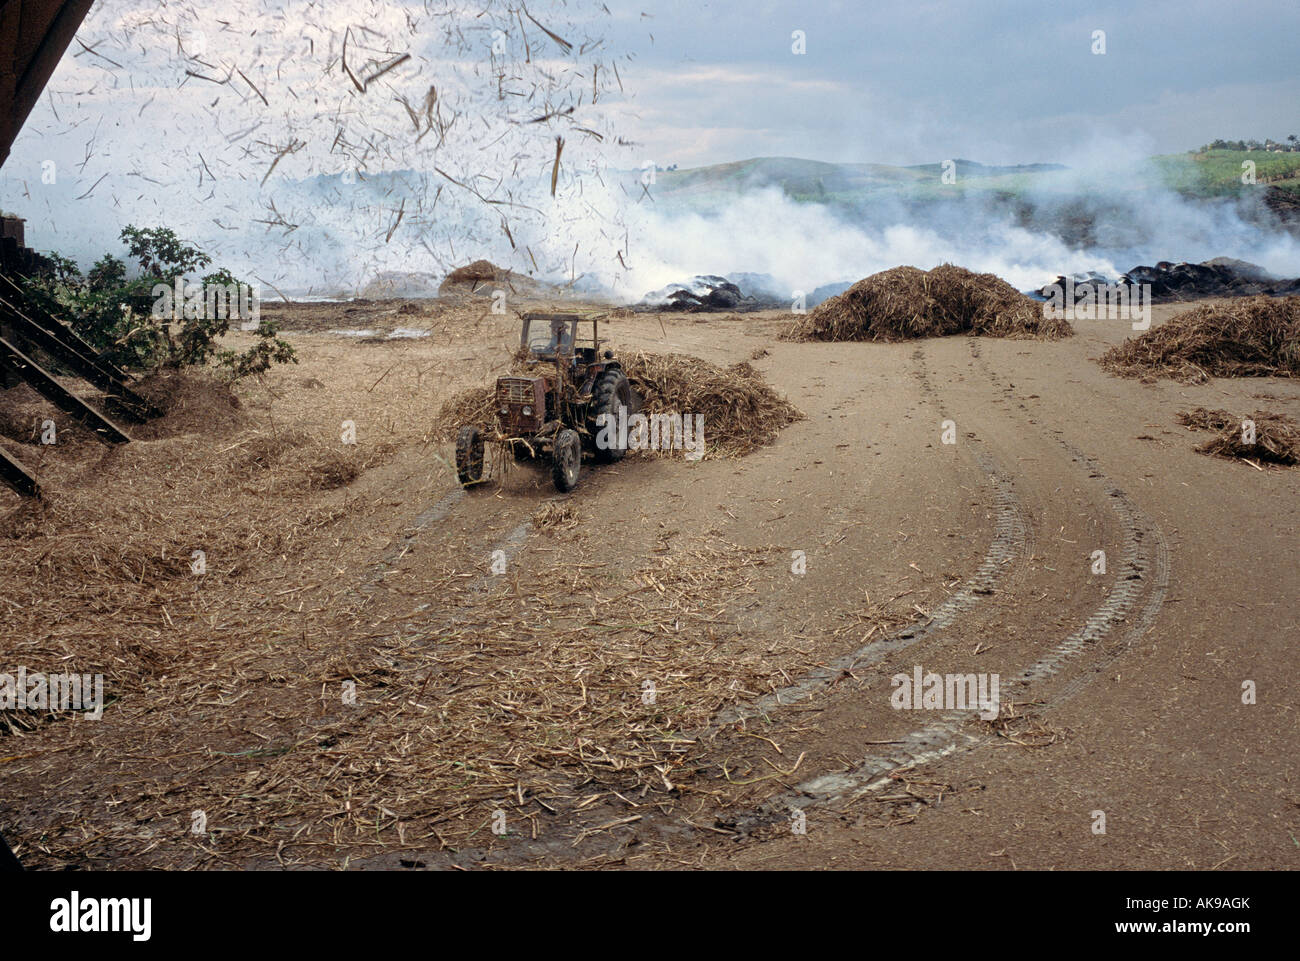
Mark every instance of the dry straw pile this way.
pixel 482 277
pixel 480 271
pixel 741 412
pixel 471 406
pixel 1277 437
pixel 1250 337
pixel 906 302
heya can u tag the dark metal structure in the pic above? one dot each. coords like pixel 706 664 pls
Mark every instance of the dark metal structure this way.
pixel 34 343
pixel 33 36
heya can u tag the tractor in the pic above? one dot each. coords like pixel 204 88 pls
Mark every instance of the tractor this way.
pixel 551 405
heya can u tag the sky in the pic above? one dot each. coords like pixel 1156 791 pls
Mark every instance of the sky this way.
pixel 911 81
pixel 889 81
pixel 206 116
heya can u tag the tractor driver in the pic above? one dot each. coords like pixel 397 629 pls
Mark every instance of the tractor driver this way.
pixel 561 338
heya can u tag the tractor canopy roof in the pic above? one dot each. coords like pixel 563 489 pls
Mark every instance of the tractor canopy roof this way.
pixel 552 335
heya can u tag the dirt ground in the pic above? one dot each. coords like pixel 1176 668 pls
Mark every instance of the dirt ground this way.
pixel 376 669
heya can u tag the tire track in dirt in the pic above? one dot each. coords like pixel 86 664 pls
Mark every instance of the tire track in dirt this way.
pixel 1142 579
pixel 1011 545
pixel 442 623
pixel 509 544
pixel 438 511
pixel 1145 558
pixel 1012 542
pixel 507 547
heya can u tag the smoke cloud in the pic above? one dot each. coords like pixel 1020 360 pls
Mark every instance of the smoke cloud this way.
pixel 1102 219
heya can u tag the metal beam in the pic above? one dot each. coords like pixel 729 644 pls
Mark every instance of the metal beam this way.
pixel 17 477
pixel 49 388
pixel 124 397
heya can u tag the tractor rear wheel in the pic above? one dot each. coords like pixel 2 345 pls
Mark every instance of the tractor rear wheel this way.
pixel 566 460
pixel 469 455
pixel 611 392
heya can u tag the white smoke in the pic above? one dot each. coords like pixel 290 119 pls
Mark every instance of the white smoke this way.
pixel 804 246
pixel 1128 218
pixel 316 145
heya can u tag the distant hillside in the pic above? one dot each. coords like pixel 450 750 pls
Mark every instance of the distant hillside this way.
pixel 815 181
pixel 1217 173
pixel 1204 175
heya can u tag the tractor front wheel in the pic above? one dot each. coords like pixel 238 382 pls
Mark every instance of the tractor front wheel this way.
pixel 469 456
pixel 566 460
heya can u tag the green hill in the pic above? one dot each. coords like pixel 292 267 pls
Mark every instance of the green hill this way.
pixel 1217 173
pixel 1205 175
pixel 816 181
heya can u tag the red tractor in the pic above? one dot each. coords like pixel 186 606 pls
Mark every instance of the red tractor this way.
pixel 554 405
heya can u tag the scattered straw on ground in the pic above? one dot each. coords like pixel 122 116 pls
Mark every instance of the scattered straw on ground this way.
pixel 194 568
pixel 566 689
pixel 1250 337
pixel 1277 437
pixel 906 302
pixel 555 516
pixel 741 412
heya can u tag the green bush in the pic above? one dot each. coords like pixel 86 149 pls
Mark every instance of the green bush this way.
pixel 141 323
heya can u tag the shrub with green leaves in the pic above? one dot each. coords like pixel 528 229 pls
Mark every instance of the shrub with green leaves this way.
pixel 155 319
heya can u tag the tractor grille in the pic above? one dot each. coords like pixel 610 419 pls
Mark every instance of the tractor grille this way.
pixel 515 390
pixel 521 404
